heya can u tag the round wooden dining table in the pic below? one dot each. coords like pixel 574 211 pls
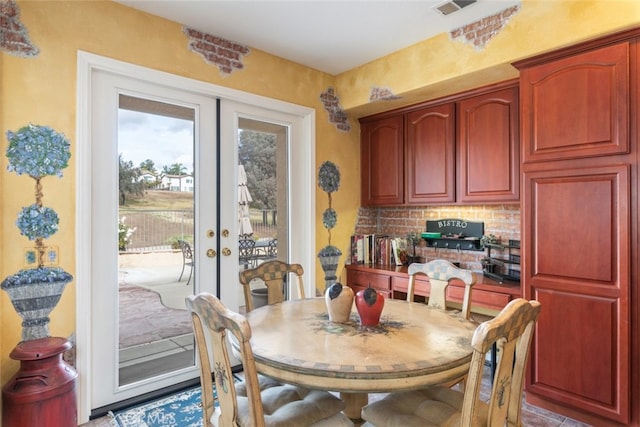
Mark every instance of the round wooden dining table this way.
pixel 413 346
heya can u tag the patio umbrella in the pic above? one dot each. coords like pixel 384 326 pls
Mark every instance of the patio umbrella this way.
pixel 244 198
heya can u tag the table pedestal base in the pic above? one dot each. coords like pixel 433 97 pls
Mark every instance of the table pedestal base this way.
pixel 353 404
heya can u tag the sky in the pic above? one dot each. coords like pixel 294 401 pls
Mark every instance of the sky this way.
pixel 164 140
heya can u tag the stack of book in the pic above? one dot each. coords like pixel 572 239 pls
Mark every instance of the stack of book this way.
pixel 376 249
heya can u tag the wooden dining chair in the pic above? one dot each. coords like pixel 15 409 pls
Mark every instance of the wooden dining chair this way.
pixel 440 273
pixel 511 330
pixel 273 274
pixel 257 401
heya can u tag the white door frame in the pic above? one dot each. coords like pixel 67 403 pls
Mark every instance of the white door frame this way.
pixel 302 225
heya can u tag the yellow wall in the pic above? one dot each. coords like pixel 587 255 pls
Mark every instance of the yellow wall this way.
pixel 42 90
pixel 442 66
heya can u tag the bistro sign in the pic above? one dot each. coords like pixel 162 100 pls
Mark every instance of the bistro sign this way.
pixel 450 227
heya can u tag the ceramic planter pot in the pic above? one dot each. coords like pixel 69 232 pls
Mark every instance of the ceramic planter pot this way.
pixel 369 304
pixel 339 300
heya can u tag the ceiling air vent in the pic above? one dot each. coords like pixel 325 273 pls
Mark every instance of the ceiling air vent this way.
pixel 454 6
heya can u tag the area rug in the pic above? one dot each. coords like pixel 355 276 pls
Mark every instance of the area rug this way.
pixel 182 409
pixel 144 319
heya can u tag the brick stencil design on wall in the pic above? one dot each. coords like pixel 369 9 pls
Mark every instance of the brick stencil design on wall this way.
pixel 479 33
pixel 223 53
pixel 379 93
pixel 337 116
pixel 14 38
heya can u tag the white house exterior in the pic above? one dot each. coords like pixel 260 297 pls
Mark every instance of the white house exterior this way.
pixel 177 183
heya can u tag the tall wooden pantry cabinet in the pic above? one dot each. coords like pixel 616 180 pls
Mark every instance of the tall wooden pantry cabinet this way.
pixel 579 140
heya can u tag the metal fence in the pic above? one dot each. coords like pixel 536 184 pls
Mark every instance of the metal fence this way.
pixel 156 230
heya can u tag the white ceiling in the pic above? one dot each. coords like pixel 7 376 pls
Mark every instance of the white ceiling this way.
pixel 331 35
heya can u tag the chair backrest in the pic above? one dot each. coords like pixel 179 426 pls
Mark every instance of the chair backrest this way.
pixel 272 249
pixel 273 274
pixel 440 273
pixel 246 246
pixel 211 322
pixel 511 330
pixel 185 247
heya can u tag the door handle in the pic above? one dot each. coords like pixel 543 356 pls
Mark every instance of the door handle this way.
pixel 226 251
pixel 211 253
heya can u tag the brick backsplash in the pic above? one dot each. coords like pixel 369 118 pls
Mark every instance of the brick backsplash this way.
pixel 500 220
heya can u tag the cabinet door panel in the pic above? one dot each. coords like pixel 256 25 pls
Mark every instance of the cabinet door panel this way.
pixel 578 224
pixel 488 147
pixel 479 298
pixel 576 262
pixel 364 280
pixel 382 160
pixel 430 156
pixel 577 359
pixel 401 284
pixel 576 107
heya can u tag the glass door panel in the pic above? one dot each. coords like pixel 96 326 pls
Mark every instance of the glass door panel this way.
pixel 262 196
pixel 156 237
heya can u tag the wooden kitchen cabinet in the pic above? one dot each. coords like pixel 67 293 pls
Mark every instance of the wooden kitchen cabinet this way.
pixel 579 202
pixel 488 147
pixel 430 155
pixel 581 353
pixel 358 280
pixel 382 161
pixel 460 149
pixel 488 297
pixel 576 105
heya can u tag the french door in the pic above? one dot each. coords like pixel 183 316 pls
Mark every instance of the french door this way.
pixel 213 121
pixel 138 296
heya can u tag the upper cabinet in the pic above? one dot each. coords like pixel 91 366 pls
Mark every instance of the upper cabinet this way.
pixel 462 149
pixel 430 155
pixel 576 106
pixel 488 148
pixel 382 157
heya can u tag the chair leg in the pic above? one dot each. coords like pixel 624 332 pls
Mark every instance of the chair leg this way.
pixel 181 273
pixel 190 274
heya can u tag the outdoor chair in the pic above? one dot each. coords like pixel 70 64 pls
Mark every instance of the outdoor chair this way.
pixel 511 330
pixel 258 401
pixel 272 250
pixel 440 273
pixel 266 253
pixel 246 249
pixel 273 274
pixel 187 259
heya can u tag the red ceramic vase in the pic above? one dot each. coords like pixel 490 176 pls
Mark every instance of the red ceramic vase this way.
pixel 369 304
